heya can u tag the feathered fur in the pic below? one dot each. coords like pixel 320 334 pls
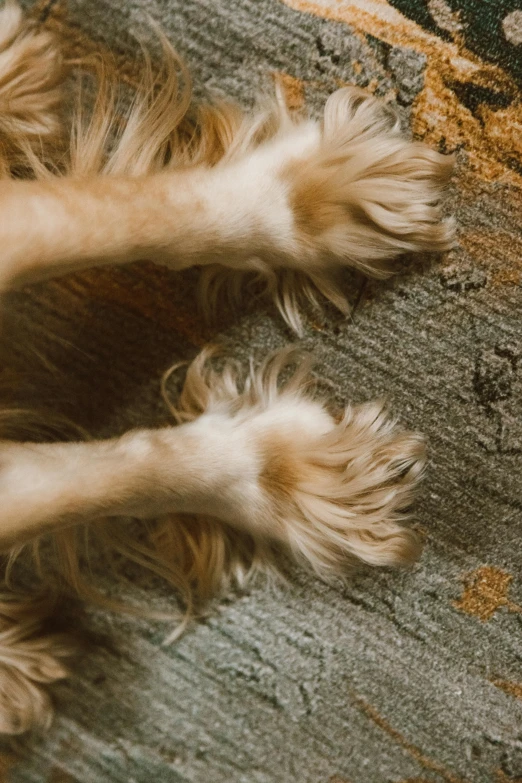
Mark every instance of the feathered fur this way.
pixel 339 493
pixel 30 659
pixel 358 193
pixel 366 193
pixel 31 89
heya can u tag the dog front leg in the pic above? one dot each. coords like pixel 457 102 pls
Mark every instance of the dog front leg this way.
pixel 201 467
pixel 353 192
pixel 263 458
pixel 198 216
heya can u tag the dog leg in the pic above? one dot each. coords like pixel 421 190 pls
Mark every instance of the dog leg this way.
pixel 350 192
pixel 272 463
pixel 264 458
pixel 181 218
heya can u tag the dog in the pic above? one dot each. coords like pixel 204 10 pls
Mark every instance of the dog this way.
pixel 254 465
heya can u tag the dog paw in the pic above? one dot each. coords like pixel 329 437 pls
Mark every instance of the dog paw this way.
pixel 364 194
pixel 351 191
pixel 330 490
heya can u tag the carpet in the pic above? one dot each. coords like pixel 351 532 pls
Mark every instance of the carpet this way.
pixel 393 676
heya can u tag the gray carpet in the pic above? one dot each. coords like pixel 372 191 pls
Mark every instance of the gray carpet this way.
pixel 394 676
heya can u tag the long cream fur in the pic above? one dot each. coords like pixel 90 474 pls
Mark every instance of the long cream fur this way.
pixel 254 466
pixel 31 87
pixel 262 192
pixel 30 658
pixel 338 485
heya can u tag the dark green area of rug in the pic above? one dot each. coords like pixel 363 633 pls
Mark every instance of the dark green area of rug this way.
pixel 481 24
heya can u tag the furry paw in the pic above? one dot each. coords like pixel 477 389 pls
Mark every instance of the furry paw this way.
pixel 331 490
pixel 361 194
pixel 352 191
pixel 31 75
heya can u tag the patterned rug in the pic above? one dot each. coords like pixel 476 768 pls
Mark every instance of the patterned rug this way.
pixel 393 677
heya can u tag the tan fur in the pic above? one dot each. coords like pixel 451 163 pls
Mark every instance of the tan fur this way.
pixel 31 77
pixel 337 494
pixel 31 87
pixel 30 658
pixel 310 199
pixel 385 189
pixel 270 194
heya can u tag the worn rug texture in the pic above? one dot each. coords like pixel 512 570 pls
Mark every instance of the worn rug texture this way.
pixel 392 677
